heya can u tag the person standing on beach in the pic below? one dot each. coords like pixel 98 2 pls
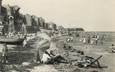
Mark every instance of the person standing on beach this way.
pixel 5 53
pixel 88 39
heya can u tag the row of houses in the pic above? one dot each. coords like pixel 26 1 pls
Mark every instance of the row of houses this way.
pixel 70 31
pixel 11 20
pixel 62 29
pixel 74 29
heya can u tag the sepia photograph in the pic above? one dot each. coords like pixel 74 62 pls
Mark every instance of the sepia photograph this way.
pixel 57 35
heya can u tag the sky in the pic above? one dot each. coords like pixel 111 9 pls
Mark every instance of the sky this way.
pixel 92 15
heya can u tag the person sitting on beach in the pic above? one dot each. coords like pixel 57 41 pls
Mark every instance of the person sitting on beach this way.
pixel 51 58
pixel 46 57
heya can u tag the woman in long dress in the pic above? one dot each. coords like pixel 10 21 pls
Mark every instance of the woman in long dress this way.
pixel 4 53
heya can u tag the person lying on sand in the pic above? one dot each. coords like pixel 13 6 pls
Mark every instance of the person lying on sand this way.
pixel 50 58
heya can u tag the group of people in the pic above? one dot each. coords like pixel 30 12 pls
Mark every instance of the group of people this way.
pixel 28 38
pixel 93 39
pixel 70 39
pixel 50 58
pixel 47 51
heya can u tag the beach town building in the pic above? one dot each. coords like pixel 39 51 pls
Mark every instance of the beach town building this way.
pixel 32 23
pixel 61 30
pixel 52 26
pixel 74 31
pixel 41 23
pixel 3 18
pixel 11 20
